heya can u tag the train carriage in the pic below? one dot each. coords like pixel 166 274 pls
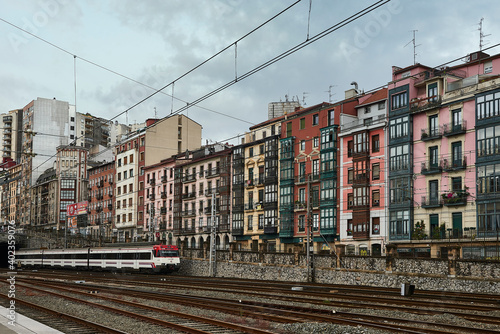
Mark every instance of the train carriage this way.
pixel 157 258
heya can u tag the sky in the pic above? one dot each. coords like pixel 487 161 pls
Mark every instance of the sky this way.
pixel 126 50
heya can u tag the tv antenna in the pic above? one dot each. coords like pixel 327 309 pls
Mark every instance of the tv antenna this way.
pixel 304 94
pixel 482 35
pixel 156 115
pixel 414 47
pixel 330 94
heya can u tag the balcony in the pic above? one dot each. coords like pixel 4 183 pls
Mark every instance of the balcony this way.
pixel 431 133
pixel 455 198
pixel 188 195
pixel 431 202
pixel 99 208
pixel 164 179
pixel 110 207
pixel 270 229
pixel 7 119
pixel 250 183
pixel 188 213
pixel 300 179
pixel 451 165
pixel 424 104
pixel 100 184
pixel 189 178
pixel 210 191
pixel 208 210
pixel 152 182
pixel 152 197
pixel 238 231
pixel 99 197
pixel 454 129
pixel 300 206
pixel 249 206
pixel 429 168
pixel 163 194
pixel 163 210
pixel 212 172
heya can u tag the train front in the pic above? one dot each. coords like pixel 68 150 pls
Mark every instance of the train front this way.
pixel 166 258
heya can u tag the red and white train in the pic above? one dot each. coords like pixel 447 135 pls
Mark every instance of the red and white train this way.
pixel 157 258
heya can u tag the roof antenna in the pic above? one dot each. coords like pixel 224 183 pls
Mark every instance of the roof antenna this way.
pixel 481 35
pixel 414 47
pixel 304 94
pixel 330 94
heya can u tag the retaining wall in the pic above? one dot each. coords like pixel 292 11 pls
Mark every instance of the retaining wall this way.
pixel 429 274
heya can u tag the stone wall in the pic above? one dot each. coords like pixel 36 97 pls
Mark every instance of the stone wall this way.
pixel 428 274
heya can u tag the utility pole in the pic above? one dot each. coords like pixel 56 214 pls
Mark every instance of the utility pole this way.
pixel 213 254
pixel 310 240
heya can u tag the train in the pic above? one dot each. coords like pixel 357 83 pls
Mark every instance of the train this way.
pixel 153 259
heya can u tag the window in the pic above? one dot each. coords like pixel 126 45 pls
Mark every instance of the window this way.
pixel 399 100
pixel 361 143
pixel 302 223
pixel 315 141
pixel 456 154
pixel 315 119
pixel 261 222
pixel 328 139
pixel 399 157
pixel 456 183
pixel 488 105
pixel 302 145
pixel 261 149
pixel 376 171
pixel 131 172
pixel 375 225
pixel 433 157
pixel 375 143
pixel 350 175
pixel 433 126
pixel 119 176
pixel 376 197
pixel 432 92
pixel 350 148
pixel 302 123
pixel 381 105
pixel 398 128
pixel 350 201
pixel 399 225
pixel 125 159
pixel 289 129
pixel 250 153
pixel 488 67
pixel 125 175
pixel 327 220
pixel 399 190
pixel 250 223
pixel 456 120
pixel 131 158
pixel 488 140
pixel 315 221
pixel 315 169
pixel 367 110
pixel 349 227
pixel 327 190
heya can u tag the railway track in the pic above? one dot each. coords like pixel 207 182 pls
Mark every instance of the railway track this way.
pixel 272 312
pixel 59 320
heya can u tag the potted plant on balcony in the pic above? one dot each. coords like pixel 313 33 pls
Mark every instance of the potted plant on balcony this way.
pixel 455 196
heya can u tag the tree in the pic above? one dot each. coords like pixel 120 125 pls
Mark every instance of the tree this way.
pixel 418 232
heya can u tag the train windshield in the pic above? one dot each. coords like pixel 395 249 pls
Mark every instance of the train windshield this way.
pixel 167 253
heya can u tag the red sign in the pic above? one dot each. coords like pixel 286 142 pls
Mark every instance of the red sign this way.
pixel 76 209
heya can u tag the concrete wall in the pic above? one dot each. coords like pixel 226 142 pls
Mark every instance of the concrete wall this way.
pixel 429 274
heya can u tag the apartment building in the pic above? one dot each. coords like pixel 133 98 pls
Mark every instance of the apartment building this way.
pixel 308 176
pixel 362 175
pixel 101 210
pixel 202 198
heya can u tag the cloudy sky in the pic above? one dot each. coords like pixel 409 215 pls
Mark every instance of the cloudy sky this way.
pixel 124 48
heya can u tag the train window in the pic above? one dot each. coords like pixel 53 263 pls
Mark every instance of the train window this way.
pixel 144 256
pixel 128 256
pixel 111 256
pixel 95 256
pixel 168 253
